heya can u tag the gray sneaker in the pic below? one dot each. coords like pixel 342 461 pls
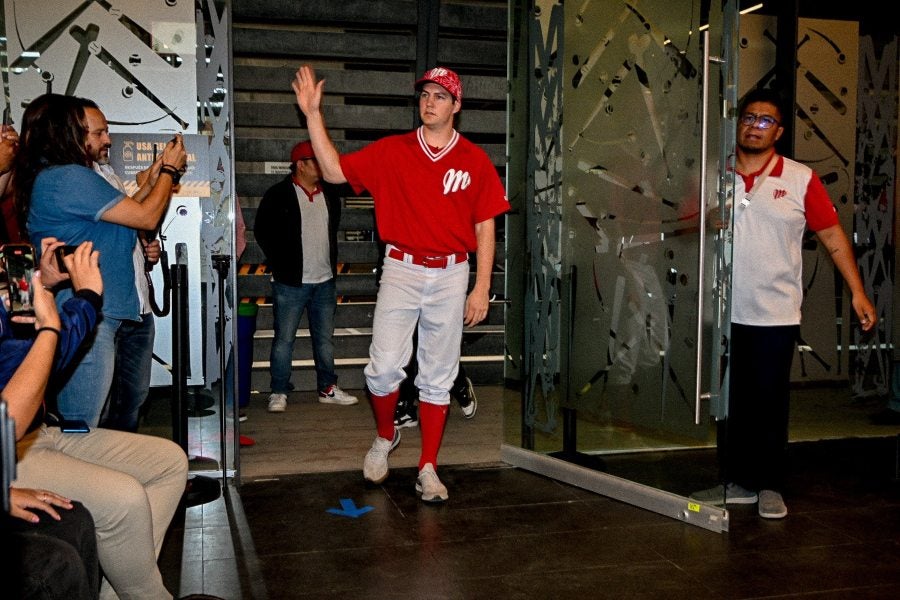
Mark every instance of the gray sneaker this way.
pixel 721 495
pixel 771 505
pixel 375 465
pixel 277 402
pixel 429 486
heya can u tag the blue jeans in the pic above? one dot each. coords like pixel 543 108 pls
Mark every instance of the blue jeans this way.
pixel 288 303
pixel 84 392
pixel 131 381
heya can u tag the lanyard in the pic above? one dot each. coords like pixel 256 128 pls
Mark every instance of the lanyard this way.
pixel 759 180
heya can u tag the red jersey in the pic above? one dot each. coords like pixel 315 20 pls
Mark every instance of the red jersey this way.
pixel 427 202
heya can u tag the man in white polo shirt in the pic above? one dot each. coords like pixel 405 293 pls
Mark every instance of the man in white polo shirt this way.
pixel 777 199
pixel 296 227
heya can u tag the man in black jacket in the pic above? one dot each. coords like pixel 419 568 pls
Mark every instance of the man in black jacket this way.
pixel 296 227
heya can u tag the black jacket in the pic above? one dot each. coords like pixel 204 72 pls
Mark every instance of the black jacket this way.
pixel 277 230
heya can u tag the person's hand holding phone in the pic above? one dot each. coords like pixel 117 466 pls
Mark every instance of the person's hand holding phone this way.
pixel 84 268
pixel 52 271
pixel 45 313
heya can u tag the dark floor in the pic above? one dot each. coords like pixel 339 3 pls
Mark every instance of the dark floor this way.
pixel 507 533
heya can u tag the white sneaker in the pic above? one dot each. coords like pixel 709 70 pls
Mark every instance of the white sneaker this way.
pixel 429 486
pixel 375 466
pixel 335 395
pixel 277 402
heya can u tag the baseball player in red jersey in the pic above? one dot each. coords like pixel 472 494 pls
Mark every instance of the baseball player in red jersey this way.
pixel 436 195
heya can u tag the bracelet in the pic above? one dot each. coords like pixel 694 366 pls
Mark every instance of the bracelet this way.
pixel 169 170
pixel 53 329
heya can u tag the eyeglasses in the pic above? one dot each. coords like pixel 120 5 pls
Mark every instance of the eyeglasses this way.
pixel 765 121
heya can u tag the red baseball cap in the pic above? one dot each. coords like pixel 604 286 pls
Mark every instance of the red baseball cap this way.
pixel 445 78
pixel 302 150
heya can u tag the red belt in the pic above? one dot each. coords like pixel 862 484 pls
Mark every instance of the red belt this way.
pixel 430 262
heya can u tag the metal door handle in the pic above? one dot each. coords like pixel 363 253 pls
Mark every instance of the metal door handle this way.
pixel 701 261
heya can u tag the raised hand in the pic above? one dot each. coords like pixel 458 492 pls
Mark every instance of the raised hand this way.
pixel 307 91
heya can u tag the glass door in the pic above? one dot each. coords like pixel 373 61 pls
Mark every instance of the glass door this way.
pixel 643 251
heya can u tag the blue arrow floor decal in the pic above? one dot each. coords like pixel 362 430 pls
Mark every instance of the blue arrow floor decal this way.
pixel 348 509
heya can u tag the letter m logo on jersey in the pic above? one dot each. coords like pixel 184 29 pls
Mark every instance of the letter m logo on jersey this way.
pixel 456 180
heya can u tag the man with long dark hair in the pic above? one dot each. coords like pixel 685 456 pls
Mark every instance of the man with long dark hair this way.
pixel 61 196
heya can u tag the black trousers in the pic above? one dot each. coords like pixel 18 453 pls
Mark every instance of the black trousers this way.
pixel 753 439
pixel 51 559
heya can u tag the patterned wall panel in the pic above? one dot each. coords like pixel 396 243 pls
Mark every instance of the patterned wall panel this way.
pixel 824 139
pixel 544 218
pixel 845 143
pixel 135 59
pixel 875 197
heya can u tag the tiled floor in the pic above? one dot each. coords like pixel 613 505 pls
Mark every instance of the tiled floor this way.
pixel 508 533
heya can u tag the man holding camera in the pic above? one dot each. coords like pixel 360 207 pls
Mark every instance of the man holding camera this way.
pixel 134 339
pixel 64 198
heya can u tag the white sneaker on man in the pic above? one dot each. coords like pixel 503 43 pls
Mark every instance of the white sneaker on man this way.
pixel 277 402
pixel 429 486
pixel 375 465
pixel 335 395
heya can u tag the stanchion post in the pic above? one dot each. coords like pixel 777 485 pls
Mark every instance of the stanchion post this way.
pixel 179 354
pixel 221 263
pixel 199 489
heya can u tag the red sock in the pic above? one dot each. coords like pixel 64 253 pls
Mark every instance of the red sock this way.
pixel 383 407
pixel 432 418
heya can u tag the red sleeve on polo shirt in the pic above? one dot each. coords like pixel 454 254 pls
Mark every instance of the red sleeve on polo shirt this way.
pixel 820 212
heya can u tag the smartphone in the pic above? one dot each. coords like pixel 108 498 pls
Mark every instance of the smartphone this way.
pixel 60 252
pixel 7 453
pixel 19 264
pixel 74 426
